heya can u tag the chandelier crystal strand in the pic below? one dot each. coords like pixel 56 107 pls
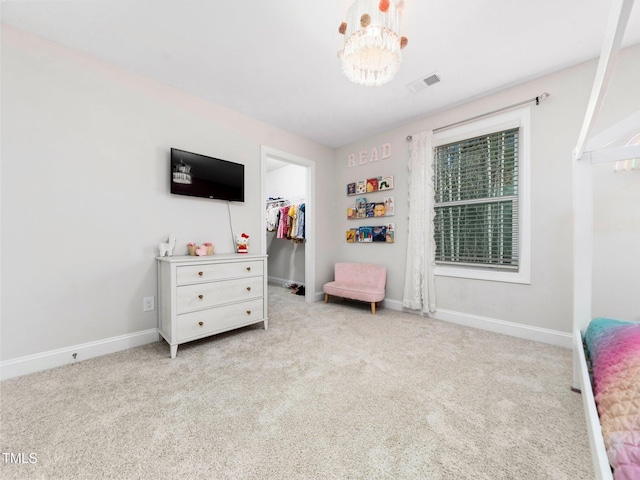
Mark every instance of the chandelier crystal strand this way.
pixel 371 54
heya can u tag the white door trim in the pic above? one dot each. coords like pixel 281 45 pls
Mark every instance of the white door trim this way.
pixel 309 222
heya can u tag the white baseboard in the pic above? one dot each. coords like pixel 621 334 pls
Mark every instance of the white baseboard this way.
pixel 281 281
pixel 64 356
pixel 527 332
pixel 394 305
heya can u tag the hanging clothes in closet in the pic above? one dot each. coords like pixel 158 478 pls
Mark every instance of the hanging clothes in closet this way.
pixel 286 219
pixel 273 213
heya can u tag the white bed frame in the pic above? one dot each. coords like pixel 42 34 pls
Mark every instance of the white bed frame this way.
pixel 586 154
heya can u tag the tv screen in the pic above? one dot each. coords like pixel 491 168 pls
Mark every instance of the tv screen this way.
pixel 201 176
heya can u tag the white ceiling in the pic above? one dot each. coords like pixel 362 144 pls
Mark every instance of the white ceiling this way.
pixel 276 60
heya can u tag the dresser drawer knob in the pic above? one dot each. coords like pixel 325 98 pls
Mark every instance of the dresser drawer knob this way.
pixel 248 312
pixel 248 269
pixel 200 273
pixel 200 297
pixel 201 323
pixel 248 289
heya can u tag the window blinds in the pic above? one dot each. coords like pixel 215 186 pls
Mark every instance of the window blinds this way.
pixel 476 201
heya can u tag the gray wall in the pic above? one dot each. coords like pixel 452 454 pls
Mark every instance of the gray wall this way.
pixel 85 198
pixel 546 302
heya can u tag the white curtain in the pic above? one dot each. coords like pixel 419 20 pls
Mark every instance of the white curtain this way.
pixel 419 283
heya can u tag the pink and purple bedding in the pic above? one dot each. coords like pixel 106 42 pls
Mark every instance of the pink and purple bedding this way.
pixel 613 346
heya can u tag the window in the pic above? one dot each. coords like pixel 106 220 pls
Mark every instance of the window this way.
pixel 481 214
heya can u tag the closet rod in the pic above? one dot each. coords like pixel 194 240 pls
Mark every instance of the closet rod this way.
pixel 537 99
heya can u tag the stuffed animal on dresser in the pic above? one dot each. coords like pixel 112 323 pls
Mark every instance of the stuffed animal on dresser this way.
pixel 242 243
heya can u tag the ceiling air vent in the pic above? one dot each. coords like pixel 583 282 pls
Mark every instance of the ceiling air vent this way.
pixel 424 82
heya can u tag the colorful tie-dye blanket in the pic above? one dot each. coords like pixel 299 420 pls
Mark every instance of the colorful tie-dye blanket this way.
pixel 613 347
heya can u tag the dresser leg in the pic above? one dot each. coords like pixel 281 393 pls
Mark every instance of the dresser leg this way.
pixel 266 323
pixel 174 350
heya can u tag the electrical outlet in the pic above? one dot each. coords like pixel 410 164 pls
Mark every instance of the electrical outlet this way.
pixel 148 304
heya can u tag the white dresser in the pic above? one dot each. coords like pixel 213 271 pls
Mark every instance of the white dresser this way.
pixel 202 296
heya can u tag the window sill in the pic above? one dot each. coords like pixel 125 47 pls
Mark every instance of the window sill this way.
pixel 521 276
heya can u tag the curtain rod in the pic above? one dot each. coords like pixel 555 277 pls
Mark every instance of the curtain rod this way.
pixel 537 99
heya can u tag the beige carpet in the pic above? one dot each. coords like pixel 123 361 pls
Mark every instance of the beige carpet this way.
pixel 329 391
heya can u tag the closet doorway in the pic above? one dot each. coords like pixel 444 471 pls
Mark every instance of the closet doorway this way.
pixel 291 179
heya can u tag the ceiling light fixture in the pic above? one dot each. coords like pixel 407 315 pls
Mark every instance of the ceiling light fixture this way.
pixel 371 54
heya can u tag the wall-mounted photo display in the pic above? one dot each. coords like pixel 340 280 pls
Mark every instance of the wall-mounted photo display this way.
pixel 364 209
pixel 371 234
pixel 373 184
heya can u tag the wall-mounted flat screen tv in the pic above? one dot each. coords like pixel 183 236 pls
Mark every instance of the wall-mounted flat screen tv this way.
pixel 197 175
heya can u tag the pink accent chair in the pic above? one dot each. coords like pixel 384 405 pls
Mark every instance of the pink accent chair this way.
pixel 358 281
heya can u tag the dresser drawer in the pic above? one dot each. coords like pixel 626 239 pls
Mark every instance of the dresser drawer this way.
pixel 188 274
pixel 205 295
pixel 218 319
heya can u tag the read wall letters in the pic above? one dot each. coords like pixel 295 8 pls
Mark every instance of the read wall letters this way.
pixel 364 156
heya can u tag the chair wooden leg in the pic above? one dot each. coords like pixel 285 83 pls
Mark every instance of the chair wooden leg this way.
pixel 373 308
pixel 326 298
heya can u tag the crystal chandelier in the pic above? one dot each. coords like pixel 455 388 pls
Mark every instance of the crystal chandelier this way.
pixel 371 54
